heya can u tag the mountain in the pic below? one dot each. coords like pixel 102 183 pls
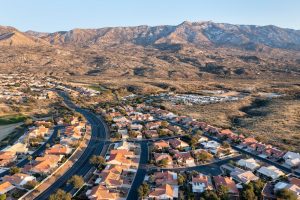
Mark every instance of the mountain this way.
pixel 10 36
pixel 200 34
pixel 190 50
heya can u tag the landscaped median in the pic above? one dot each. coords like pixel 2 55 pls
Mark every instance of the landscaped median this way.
pixel 61 170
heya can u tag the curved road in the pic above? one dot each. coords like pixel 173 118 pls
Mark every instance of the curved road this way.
pixel 96 146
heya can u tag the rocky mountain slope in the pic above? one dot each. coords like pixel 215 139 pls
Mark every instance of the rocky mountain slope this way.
pixel 190 50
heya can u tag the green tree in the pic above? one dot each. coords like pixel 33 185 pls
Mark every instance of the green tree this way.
pixel 164 124
pixel 285 194
pixel 61 195
pixel 76 181
pixel 181 179
pixel 257 187
pixel 210 195
pixel 30 184
pixel 97 160
pixel 3 197
pixel 144 190
pixel 248 193
pixel 223 192
pixel 14 170
pixel 226 145
pixel 163 162
pixel 28 122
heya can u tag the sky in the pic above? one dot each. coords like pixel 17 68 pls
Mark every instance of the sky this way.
pixel 61 15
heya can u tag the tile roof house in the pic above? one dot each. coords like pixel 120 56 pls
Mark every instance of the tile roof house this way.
pixel 120 157
pixel 160 156
pixel 249 164
pixel 6 187
pixel 271 172
pixel 59 149
pixel 177 143
pixel 99 192
pixel 18 148
pixel 185 158
pixel 229 183
pixel 39 131
pixel 292 159
pixel 201 183
pixel 165 191
pixel 166 177
pixel 45 164
pixel 161 144
pixel 18 179
pixel 111 176
pixel 7 157
pixel 243 176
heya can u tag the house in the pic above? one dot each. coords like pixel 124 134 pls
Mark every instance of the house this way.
pixel 178 144
pixel 120 119
pixel 202 139
pixel 243 176
pixel 274 153
pixel 249 164
pixel 151 133
pixel 110 177
pixel 18 179
pixel 166 177
pixel 153 125
pixel 175 129
pixel 18 148
pixel 201 183
pixel 59 149
pixel 41 131
pixel 165 191
pixel 211 145
pixel 248 141
pixel 120 157
pixel 292 159
pixel 185 158
pixel 7 157
pixel 100 192
pixel 162 144
pixel 45 164
pixel 291 187
pixel 124 133
pixel 229 183
pixel 136 127
pixel 160 156
pixel 270 172
pixel 6 187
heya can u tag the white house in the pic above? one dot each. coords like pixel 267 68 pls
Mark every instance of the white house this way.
pixel 18 179
pixel 250 164
pixel 270 172
pixel 201 183
pixel 292 159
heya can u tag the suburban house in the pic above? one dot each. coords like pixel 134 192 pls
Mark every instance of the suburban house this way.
pixel 110 177
pixel 270 172
pixel 249 164
pixel 167 177
pixel 243 176
pixel 161 144
pixel 100 192
pixel 45 164
pixel 229 183
pixel 59 149
pixel 292 159
pixel 291 187
pixel 18 148
pixel 18 179
pixel 185 158
pixel 161 156
pixel 178 144
pixel 165 191
pixel 6 187
pixel 201 183
pixel 7 157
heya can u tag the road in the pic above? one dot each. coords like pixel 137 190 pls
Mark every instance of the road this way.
pixel 96 146
pixel 141 172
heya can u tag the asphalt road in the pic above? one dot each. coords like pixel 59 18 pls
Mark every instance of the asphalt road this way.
pixel 95 147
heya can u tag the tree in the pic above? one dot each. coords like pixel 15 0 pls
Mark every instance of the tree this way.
pixel 30 184
pixel 248 193
pixel 223 192
pixel 163 162
pixel 14 170
pixel 61 195
pixel 144 190
pixel 97 160
pixel 257 187
pixel 28 122
pixel 76 181
pixel 164 124
pixel 3 197
pixel 226 145
pixel 210 195
pixel 203 156
pixel 180 179
pixel 286 194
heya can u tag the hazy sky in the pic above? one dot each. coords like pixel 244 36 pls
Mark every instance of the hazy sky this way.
pixel 57 15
